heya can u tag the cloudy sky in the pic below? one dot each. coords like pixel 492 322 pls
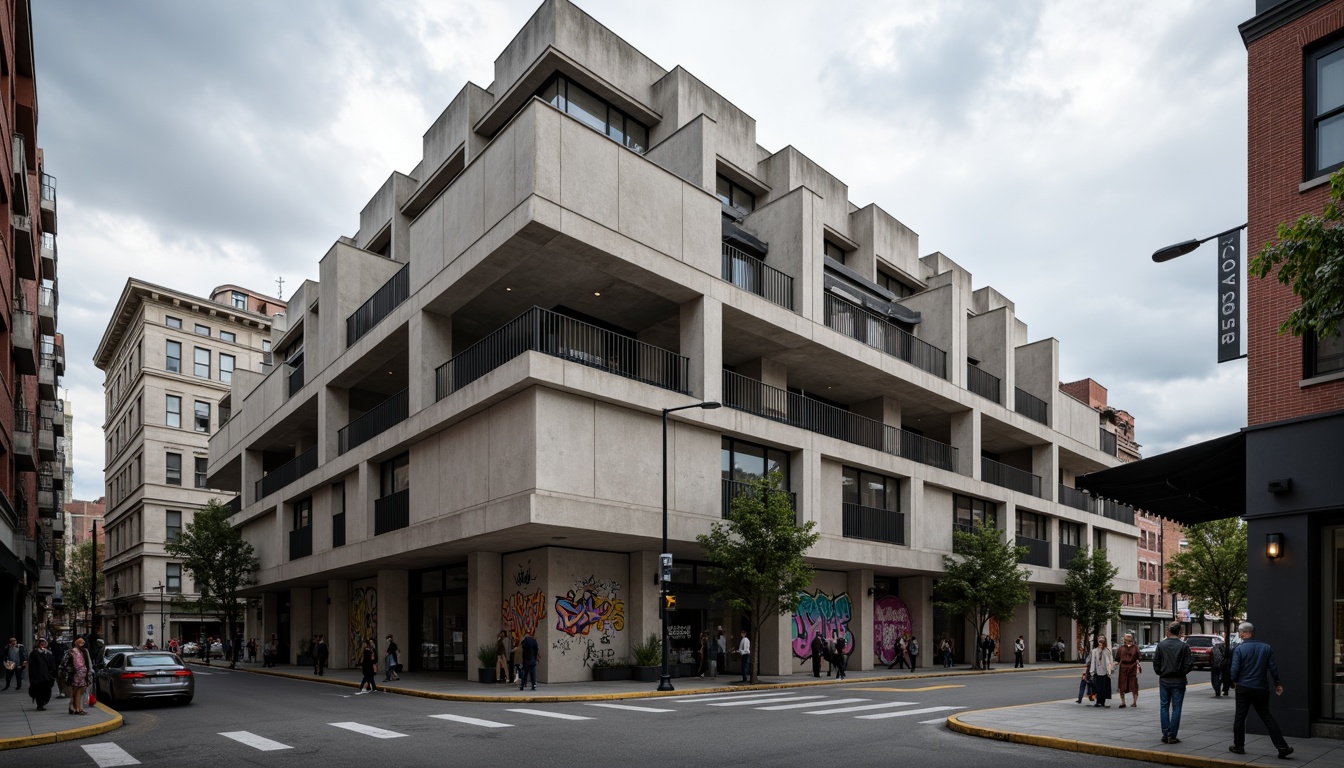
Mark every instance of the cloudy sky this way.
pixel 1047 147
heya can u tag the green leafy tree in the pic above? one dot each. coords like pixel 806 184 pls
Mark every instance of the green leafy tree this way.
pixel 1211 570
pixel 760 553
pixel 78 582
pixel 1089 596
pixel 982 580
pixel 1309 257
pixel 219 561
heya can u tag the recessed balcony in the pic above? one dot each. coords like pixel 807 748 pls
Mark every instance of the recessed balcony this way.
pixel 46 310
pixel 48 203
pixel 755 276
pixel 25 454
pixel 1012 478
pixel 23 337
pixel 882 334
pixel 47 255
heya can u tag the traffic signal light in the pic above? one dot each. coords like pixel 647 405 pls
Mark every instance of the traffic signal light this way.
pixel 670 602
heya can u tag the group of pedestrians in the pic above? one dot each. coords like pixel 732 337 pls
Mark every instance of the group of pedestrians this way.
pixel 907 653
pixel 70 671
pixel 1249 669
pixel 834 650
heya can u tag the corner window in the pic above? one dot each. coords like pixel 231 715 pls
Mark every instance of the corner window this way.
pixel 894 285
pixel 202 362
pixel 173 411
pixel 239 300
pixel 172 468
pixel 173 532
pixel 202 416
pixel 595 112
pixel 172 578
pixel 227 336
pixel 743 462
pixel 733 194
pixel 226 363
pixel 1322 357
pixel 201 463
pixel 172 322
pixel 173 351
pixel 869 489
pixel 1324 150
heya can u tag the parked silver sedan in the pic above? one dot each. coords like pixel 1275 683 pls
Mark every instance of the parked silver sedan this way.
pixel 145 675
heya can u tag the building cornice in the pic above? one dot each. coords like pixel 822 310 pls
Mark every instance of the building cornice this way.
pixel 1276 17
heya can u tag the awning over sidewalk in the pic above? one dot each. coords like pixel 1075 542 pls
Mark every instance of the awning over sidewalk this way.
pixel 1201 482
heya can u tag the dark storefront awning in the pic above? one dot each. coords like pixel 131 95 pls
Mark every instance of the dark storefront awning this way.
pixel 1201 482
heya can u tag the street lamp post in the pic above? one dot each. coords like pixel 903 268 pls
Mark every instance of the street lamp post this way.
pixel 163 633
pixel 1186 246
pixel 665 681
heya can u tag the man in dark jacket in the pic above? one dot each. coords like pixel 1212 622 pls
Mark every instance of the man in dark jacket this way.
pixel 1253 667
pixel 41 674
pixel 320 655
pixel 530 654
pixel 1172 661
pixel 1220 659
pixel 818 649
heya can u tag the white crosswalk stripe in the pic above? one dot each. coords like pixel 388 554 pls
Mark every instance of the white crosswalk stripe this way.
pixel 472 721
pixel 907 713
pixel 108 754
pixel 861 708
pixel 768 700
pixel 545 713
pixel 719 696
pixel 369 730
pixel 934 721
pixel 255 741
pixel 806 704
pixel 631 707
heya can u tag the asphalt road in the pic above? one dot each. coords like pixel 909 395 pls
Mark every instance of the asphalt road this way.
pixel 240 718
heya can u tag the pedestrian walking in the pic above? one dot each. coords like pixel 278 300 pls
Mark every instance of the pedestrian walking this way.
pixel 818 650
pixel 1100 665
pixel 393 664
pixel 516 656
pixel 1172 661
pixel 913 649
pixel 321 653
pixel 41 674
pixel 702 653
pixel 1127 655
pixel 58 650
pixel 900 653
pixel 1057 650
pixel 841 660
pixel 744 650
pixel 204 650
pixel 1220 668
pixel 828 649
pixel 721 646
pixel 76 669
pixel 949 646
pixel 368 667
pixel 502 656
pixel 1019 645
pixel 530 654
pixel 15 658
pixel 987 646
pixel 1253 669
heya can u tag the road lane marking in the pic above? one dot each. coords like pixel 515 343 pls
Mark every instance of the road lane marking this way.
pixel 546 713
pixel 810 704
pixel 716 697
pixel 255 741
pixel 933 721
pixel 907 713
pixel 368 730
pixel 108 754
pixel 910 690
pixel 860 708
pixel 631 708
pixel 472 721
pixel 771 700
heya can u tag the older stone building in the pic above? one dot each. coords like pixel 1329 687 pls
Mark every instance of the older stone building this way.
pixel 465 432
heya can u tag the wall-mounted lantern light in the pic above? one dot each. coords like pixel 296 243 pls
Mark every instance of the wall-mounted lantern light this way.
pixel 1274 545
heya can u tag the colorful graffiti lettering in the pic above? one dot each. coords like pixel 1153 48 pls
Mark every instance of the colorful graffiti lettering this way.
pixel 591 604
pixel 522 614
pixel 363 620
pixel 821 614
pixel 891 620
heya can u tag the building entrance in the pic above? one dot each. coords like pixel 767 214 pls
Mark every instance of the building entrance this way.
pixel 439 620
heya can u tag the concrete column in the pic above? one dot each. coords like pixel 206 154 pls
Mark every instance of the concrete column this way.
pixel 1022 623
pixel 861 619
pixel 338 623
pixel 702 342
pixel 884 409
pixel 394 603
pixel 333 413
pixel 431 344
pixel 300 620
pixel 919 531
pixel 251 473
pixel 484 602
pixel 1008 520
pixel 805 476
pixel 766 371
pixel 641 609
pixel 966 439
pixel 917 594
pixel 359 513
pixel 776 655
pixel 270 611
pixel 1045 463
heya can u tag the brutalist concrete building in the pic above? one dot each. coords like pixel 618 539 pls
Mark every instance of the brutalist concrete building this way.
pixel 462 432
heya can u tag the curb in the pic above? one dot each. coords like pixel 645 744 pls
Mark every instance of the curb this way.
pixel 484 698
pixel 19 742
pixel 1086 747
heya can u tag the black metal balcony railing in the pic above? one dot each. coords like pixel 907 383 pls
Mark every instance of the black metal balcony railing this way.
pixel 1107 443
pixel 1066 554
pixel 1031 406
pixel 732 489
pixel 392 512
pixel 873 524
pixel 301 542
pixel 1114 510
pixel 751 274
pixel 295 379
pixel 287 473
pixel 378 420
pixel 983 383
pixel 1072 497
pixel 1038 552
pixel 234 505
pixel 379 305
pixel 1009 477
pixel 880 333
pixel 550 333
pixel 338 530
pixel 745 394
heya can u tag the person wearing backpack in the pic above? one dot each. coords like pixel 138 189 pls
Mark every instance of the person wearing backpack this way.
pixel 1172 662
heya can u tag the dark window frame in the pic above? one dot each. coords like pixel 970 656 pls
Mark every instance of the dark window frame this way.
pixel 303 513
pixel 732 198
pixel 988 510
pixel 172 322
pixel 196 362
pixel 891 491
pixel 1312 120
pixel 228 336
pixel 833 250
pixel 196 417
pixel 169 357
pixel 1041 522
pixel 172 475
pixel 172 532
pixel 169 413
pixel 238 296
pixel 199 471
pixel 172 578
pixel 226 375
pixel 202 330
pixel 1314 363
pixel 729 446
pixel 555 91
pixel 391 474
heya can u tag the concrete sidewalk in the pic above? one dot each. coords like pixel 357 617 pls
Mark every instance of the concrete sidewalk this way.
pixel 1135 733
pixel 21 725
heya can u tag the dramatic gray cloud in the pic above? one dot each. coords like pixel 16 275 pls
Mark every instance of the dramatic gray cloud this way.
pixel 1046 146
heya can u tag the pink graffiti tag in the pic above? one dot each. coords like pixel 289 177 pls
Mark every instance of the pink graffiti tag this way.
pixel 576 614
pixel 891 620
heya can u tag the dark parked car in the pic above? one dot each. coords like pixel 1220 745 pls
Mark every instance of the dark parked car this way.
pixel 1201 646
pixel 1146 651
pixel 145 675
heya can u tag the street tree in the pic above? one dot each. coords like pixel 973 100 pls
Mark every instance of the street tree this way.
pixel 982 580
pixel 1309 258
pixel 78 583
pixel 759 554
pixel 1211 570
pixel 1089 595
pixel 220 562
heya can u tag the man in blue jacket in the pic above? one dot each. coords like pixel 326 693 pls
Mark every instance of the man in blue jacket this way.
pixel 1253 668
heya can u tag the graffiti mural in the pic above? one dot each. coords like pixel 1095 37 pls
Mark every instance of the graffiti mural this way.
pixel 524 575
pixel 522 614
pixel 590 615
pixel 821 614
pixel 363 620
pixel 891 620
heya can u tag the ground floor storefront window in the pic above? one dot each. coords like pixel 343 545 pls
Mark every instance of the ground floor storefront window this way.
pixel 1332 687
pixel 439 619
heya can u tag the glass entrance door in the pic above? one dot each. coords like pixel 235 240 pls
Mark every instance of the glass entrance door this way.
pixel 431 635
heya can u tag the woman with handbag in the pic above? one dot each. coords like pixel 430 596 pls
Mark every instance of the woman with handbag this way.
pixel 76 671
pixel 1100 664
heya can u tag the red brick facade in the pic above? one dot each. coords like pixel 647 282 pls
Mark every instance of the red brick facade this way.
pixel 1274 173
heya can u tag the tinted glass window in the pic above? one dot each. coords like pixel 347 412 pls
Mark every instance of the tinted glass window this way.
pixel 1199 642
pixel 588 108
pixel 142 660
